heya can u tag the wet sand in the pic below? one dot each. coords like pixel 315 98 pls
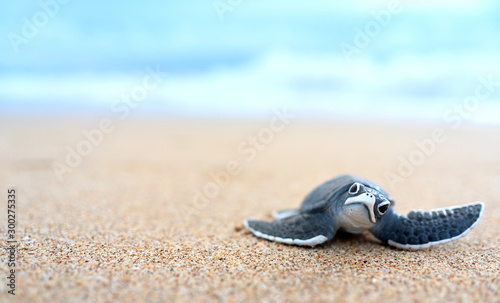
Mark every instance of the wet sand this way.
pixel 152 210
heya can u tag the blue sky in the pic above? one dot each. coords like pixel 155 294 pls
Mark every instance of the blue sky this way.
pixel 254 56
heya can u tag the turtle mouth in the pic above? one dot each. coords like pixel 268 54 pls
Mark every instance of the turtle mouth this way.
pixel 368 199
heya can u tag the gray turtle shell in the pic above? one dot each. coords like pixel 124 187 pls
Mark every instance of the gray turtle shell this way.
pixel 332 190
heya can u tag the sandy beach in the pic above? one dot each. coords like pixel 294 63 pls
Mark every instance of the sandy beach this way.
pixel 151 210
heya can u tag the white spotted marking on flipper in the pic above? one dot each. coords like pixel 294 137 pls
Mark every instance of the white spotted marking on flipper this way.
pixel 308 242
pixel 430 244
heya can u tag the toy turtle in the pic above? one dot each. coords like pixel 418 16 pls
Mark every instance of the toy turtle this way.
pixel 354 204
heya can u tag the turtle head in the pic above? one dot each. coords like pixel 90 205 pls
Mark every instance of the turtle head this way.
pixel 368 200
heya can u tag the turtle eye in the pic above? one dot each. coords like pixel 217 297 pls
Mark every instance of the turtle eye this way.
pixel 354 188
pixel 383 207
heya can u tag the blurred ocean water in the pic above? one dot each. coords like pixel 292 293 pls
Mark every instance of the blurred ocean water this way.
pixel 385 59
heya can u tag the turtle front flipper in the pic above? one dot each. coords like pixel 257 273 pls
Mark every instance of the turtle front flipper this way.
pixel 301 229
pixel 423 229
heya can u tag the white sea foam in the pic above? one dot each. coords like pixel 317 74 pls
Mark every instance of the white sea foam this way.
pixel 326 85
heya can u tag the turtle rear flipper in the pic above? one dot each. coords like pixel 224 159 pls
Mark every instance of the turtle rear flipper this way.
pixel 300 229
pixel 283 214
pixel 423 229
